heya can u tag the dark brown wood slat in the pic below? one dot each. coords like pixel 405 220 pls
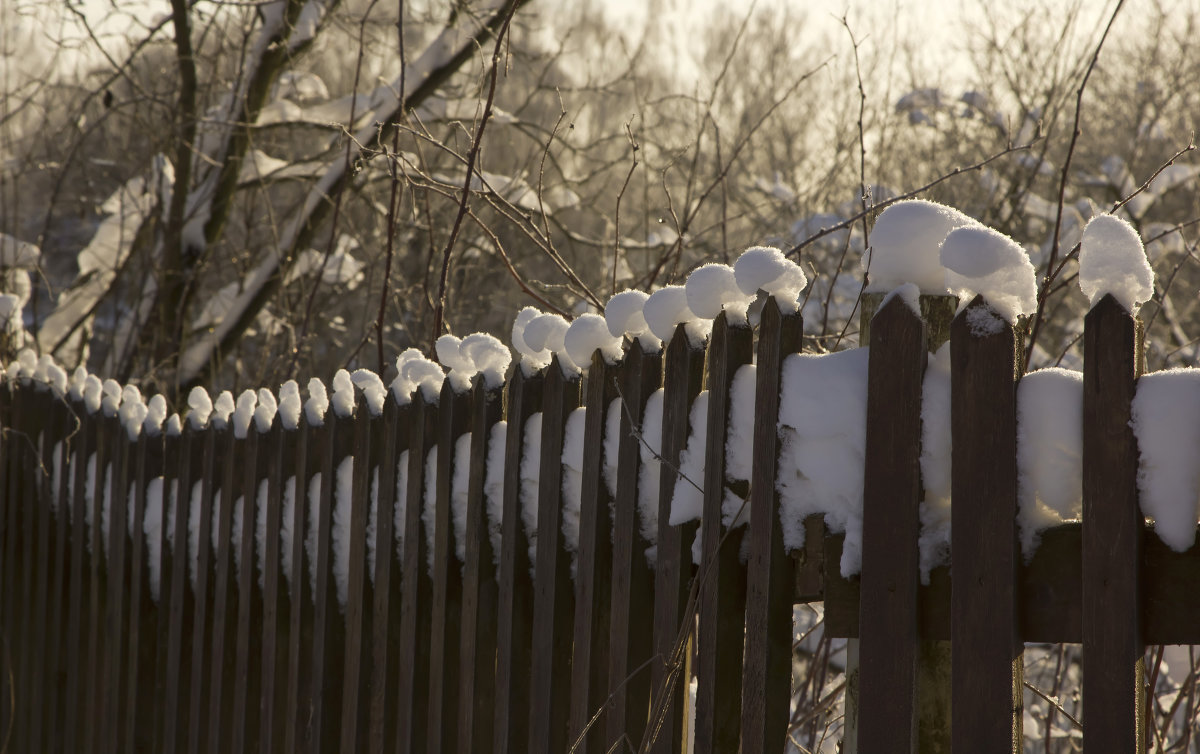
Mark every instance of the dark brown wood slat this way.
pixel 554 594
pixel 1113 526
pixel 447 579
pixel 244 722
pixel 722 600
pixel 291 450
pixel 60 559
pixel 987 650
pixel 515 584
pixel 891 526
pixel 96 699
pixel 683 378
pixel 770 576
pixel 179 600
pixel 202 624
pixel 329 636
pixel 172 463
pixel 143 615
pixel 48 571
pixel 116 625
pixel 412 715
pixel 275 445
pixel 10 467
pixel 593 570
pixel 477 649
pixel 29 431
pixel 224 611
pixel 356 611
pixel 388 439
pixel 632 613
pixel 309 450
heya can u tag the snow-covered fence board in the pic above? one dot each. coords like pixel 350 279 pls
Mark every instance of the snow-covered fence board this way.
pixel 236 581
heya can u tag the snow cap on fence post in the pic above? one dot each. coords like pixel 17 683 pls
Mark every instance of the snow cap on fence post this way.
pixel 625 318
pixel 545 332
pixel 532 359
pixel 766 268
pixel 906 243
pixel 290 405
pixel 713 288
pixel 668 307
pixel 372 388
pixel 264 414
pixel 317 404
pixel 983 261
pixel 93 390
pixel 244 413
pixel 112 398
pixel 201 407
pixel 343 394
pixel 78 380
pixel 490 356
pixel 1113 260
pixel 156 414
pixel 133 411
pixel 424 375
pixel 462 368
pixel 174 426
pixel 223 408
pixel 586 335
pixel 26 364
pixel 57 377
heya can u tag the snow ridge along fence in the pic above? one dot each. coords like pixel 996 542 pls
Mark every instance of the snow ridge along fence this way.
pixel 325 582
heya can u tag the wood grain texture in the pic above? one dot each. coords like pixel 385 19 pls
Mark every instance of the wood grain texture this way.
pixel 987 650
pixel 387 440
pixel 770 577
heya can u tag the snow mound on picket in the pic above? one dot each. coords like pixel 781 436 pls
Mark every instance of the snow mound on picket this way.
pixel 625 317
pixel 532 359
pixel 1113 260
pixel 1166 421
pixel 979 260
pixel 201 407
pixel 668 307
pixel 490 357
pixel 766 268
pixel 905 245
pixel 545 333
pixel 713 288
pixel 586 335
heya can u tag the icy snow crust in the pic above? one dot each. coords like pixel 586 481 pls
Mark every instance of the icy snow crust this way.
pixel 1113 260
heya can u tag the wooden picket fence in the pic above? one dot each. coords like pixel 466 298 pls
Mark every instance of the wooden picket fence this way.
pixel 485 656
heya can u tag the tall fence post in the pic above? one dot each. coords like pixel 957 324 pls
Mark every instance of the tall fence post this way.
pixel 554 594
pixel 386 441
pixel 1113 651
pixel 988 665
pixel 683 378
pixel 722 574
pixel 770 576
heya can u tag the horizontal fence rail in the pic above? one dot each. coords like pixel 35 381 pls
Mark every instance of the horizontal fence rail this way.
pixel 501 566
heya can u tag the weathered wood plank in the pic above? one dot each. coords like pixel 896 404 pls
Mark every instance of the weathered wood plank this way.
pixel 178 596
pixel 389 436
pixel 356 610
pixel 767 675
pixel 53 713
pixel 515 583
pixel 722 575
pixel 243 724
pixel 632 614
pixel 593 570
pixel 987 650
pixel 683 378
pixel 309 449
pixel 143 613
pixel 477 652
pixel 202 625
pixel 1113 526
pixel 554 594
pixel 276 445
pixel 224 610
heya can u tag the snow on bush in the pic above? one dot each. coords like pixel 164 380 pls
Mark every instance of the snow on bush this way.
pixel 766 268
pixel 905 244
pixel 979 260
pixel 1166 421
pixel 823 425
pixel 1113 260
pixel 1049 452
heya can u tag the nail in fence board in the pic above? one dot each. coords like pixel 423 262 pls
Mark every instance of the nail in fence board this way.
pixel 1113 526
pixel 412 714
pixel 987 650
pixel 554 594
pixel 477 653
pixel 770 577
pixel 673 618
pixel 632 614
pixel 514 610
pixel 593 569
pixel 722 574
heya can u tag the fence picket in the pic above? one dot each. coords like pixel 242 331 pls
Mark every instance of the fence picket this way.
pixel 52 713
pixel 514 610
pixel 683 377
pixel 891 526
pixel 770 575
pixel 44 564
pixel 553 592
pixel 386 438
pixel 224 635
pixel 632 618
pixel 356 610
pixel 276 444
pixel 1113 527
pixel 179 597
pixel 299 651
pixel 143 613
pixel 723 576
pixel 593 570
pixel 203 624
pixel 987 662
pixel 477 675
